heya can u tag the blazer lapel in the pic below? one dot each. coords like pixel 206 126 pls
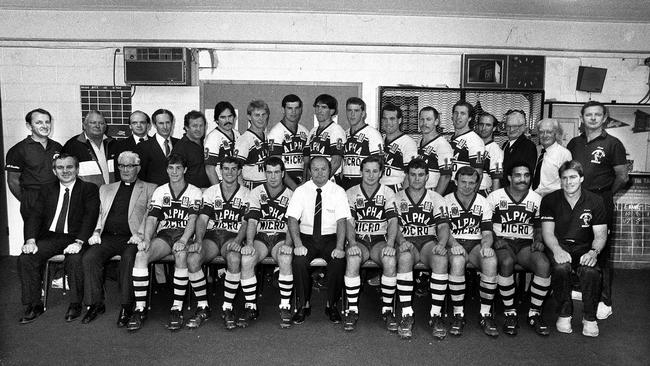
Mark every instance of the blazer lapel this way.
pixel 137 191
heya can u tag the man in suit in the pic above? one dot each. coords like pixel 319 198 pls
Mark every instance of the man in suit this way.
pixel 140 124
pixel 123 206
pixel 518 147
pixel 61 222
pixel 155 151
pixel 94 150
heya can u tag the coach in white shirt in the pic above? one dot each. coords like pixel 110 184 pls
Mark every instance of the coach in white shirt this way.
pixel 552 155
pixel 317 215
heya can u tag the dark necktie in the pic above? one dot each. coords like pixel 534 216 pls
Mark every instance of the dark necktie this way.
pixel 60 223
pixel 538 168
pixel 141 139
pixel 167 149
pixel 318 213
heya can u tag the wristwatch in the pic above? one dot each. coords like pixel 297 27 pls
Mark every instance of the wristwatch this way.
pixel 596 251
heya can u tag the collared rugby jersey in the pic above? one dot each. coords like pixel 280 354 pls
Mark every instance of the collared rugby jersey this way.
pixel 253 151
pixel 270 212
pixel 492 165
pixel 438 155
pixel 397 155
pixel 326 142
pixel 371 212
pixel 468 151
pixel 217 146
pixel 468 223
pixel 173 211
pixel 420 218
pixel 227 214
pixel 514 219
pixel 290 146
pixel 363 143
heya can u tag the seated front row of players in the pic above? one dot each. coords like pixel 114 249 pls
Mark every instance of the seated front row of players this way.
pixel 424 233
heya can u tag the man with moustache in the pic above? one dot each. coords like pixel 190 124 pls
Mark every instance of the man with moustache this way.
pixel 434 150
pixel 287 140
pixel 154 152
pixel 29 162
pixel 190 147
pixel 94 150
pixel 493 157
pixel 220 142
pixel 518 239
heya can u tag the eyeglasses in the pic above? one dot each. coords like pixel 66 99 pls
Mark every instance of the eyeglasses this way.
pixel 514 127
pixel 125 166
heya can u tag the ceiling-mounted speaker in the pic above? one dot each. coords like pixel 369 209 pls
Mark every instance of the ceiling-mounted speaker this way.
pixel 591 79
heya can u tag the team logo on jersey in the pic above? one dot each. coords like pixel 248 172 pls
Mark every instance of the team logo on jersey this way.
pixel 597 155
pixel 185 202
pixel 284 201
pixel 379 200
pixel 287 137
pixel 403 206
pixel 264 198
pixel 218 204
pixel 427 207
pixel 197 204
pixel 235 152
pixel 428 150
pixel 530 206
pixel 257 143
pixel 393 148
pixel 461 144
pixel 339 144
pixel 455 212
pixel 503 205
pixel 477 210
pixel 324 136
pixel 361 203
pixel 167 201
pixel 236 203
pixel 586 219
pixel 361 137
pixel 303 136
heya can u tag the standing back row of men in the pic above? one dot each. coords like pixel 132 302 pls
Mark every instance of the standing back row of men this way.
pixel 178 206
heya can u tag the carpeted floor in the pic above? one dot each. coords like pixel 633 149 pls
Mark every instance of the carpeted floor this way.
pixel 624 339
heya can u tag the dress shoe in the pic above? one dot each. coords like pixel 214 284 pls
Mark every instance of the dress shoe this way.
pixel 31 313
pixel 125 314
pixel 299 316
pixel 334 314
pixel 93 312
pixel 74 311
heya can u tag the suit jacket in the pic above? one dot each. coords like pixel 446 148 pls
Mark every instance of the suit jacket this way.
pixel 521 150
pixel 82 212
pixel 153 162
pixel 140 198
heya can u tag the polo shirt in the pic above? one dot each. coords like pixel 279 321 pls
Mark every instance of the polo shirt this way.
pixel 438 156
pixel 290 145
pixel 549 180
pixel 33 162
pixel 334 206
pixel 398 153
pixel 195 157
pixel 598 158
pixel 358 146
pixel 574 226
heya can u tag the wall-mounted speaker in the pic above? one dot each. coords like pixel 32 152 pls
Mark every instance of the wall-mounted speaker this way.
pixel 591 79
